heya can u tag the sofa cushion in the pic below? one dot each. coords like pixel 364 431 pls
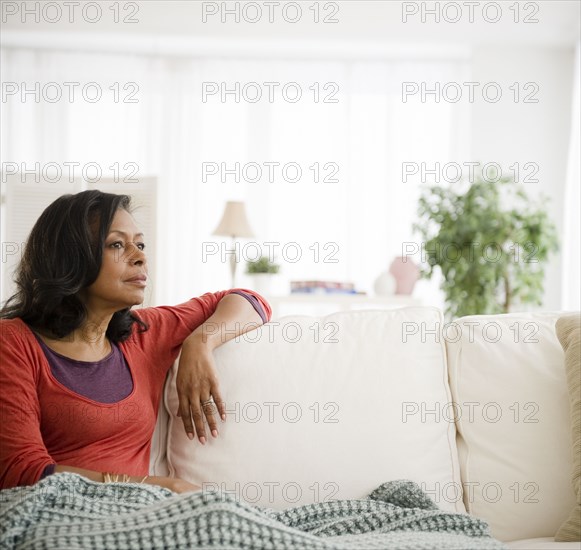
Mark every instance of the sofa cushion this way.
pixel 569 335
pixel 508 380
pixel 158 451
pixel 326 408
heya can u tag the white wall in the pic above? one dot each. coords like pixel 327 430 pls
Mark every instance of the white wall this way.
pixel 506 132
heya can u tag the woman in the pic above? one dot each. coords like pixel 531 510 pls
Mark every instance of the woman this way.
pixel 81 373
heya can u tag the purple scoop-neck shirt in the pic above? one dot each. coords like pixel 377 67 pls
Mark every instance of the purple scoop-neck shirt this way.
pixel 106 381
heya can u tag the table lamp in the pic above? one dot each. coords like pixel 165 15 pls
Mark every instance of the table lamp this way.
pixel 234 223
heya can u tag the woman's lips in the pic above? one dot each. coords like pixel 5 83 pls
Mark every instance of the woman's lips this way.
pixel 138 281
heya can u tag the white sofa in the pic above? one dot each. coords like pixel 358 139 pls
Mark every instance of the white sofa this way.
pixel 475 411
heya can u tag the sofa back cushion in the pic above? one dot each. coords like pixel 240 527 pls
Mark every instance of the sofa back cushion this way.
pixel 158 452
pixel 509 384
pixel 324 408
pixel 569 335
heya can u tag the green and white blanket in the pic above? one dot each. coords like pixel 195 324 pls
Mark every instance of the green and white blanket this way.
pixel 66 510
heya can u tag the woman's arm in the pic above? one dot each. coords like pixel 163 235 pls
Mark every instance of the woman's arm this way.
pixel 196 379
pixel 169 326
pixel 233 317
pixel 173 484
pixel 23 454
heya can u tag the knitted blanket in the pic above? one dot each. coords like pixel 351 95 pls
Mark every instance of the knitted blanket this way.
pixel 66 510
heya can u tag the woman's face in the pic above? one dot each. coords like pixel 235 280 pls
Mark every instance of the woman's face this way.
pixel 122 279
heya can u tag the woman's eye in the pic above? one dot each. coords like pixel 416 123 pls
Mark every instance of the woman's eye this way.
pixel 119 244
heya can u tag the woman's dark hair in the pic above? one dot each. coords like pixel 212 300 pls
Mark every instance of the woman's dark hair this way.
pixel 63 255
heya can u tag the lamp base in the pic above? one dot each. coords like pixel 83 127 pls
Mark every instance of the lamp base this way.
pixel 233 264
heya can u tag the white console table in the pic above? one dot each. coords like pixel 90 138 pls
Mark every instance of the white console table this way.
pixel 323 304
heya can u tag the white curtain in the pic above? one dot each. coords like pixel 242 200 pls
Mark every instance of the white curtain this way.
pixel 571 253
pixel 170 132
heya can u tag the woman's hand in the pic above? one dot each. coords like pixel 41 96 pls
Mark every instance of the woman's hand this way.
pixel 174 484
pixel 196 383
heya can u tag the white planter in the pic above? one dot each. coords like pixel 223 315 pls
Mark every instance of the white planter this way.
pixel 385 284
pixel 262 282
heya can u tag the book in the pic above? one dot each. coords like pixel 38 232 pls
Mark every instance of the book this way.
pixel 322 287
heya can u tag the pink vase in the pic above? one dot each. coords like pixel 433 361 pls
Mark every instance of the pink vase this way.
pixel 406 273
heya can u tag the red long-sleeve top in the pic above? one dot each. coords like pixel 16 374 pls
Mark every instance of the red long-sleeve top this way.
pixel 43 422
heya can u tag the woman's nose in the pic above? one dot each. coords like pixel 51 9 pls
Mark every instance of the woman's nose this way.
pixel 137 255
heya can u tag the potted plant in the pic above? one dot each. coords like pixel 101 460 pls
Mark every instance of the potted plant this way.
pixel 261 272
pixel 491 243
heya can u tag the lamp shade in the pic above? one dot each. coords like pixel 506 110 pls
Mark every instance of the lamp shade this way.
pixel 234 222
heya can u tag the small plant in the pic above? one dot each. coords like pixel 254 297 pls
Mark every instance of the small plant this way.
pixel 263 265
pixel 491 252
